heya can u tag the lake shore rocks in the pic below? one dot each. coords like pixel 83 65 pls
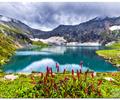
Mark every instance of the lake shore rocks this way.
pixel 10 77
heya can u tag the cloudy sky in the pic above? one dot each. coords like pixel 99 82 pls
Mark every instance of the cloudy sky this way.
pixel 46 16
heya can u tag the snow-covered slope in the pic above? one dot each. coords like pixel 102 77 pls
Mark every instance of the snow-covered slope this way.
pixel 5 19
pixel 112 28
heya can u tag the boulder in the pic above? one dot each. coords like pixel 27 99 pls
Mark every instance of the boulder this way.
pixel 10 77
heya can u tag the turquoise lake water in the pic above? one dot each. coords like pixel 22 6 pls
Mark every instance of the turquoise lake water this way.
pixel 27 60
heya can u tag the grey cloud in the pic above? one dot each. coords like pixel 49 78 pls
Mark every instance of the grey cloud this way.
pixel 50 15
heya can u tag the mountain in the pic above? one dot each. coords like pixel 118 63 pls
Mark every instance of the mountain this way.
pixel 15 29
pixel 94 30
pixel 18 30
pixel 13 34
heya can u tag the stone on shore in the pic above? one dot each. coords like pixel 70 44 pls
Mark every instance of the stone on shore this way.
pixel 10 77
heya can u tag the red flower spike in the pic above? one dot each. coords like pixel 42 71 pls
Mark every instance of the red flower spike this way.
pixel 86 90
pixel 92 87
pixel 64 71
pixel 80 70
pixel 47 74
pixel 77 71
pixel 52 81
pixel 85 75
pixel 40 82
pixel 47 90
pixel 61 81
pixel 66 78
pixel 32 78
pixel 92 74
pixel 72 72
pixel 57 65
pixel 74 79
pixel 114 74
pixel 58 69
pixel 45 80
pixel 99 82
pixel 47 69
pixel 78 74
pixel 33 82
pixel 81 64
pixel 99 94
pixel 55 86
pixel 51 71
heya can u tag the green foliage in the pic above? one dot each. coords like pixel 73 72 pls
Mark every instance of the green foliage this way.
pixel 10 29
pixel 10 89
pixel 7 48
pixel 115 45
pixel 11 38
pixel 112 56
pixel 65 86
pixel 39 43
pixel 60 86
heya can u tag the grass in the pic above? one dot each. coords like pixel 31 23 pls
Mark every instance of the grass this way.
pixel 112 55
pixel 9 89
pixel 39 44
pixel 65 85
pixel 9 43
pixel 114 45
pixel 7 48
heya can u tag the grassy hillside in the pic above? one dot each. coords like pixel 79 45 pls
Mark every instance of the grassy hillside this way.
pixel 7 48
pixel 112 55
pixel 39 44
pixel 115 45
pixel 17 35
pixel 11 38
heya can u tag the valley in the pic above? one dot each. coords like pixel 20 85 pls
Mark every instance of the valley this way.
pixel 62 63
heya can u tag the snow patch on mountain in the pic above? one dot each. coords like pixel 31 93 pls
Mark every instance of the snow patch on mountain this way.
pixel 6 19
pixel 112 28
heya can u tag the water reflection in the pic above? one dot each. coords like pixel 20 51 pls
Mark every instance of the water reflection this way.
pixel 40 66
pixel 67 57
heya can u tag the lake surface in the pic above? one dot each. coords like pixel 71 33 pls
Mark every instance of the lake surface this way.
pixel 27 60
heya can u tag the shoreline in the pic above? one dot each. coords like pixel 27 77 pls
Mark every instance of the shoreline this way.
pixel 107 59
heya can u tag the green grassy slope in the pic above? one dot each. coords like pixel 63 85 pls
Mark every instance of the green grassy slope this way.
pixel 16 34
pixel 7 48
pixel 115 45
pixel 10 39
pixel 112 55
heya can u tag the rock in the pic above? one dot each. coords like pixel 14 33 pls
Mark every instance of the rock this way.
pixel 10 77
pixel 56 40
pixel 118 65
pixel 109 78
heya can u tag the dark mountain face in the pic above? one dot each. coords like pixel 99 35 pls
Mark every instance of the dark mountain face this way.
pixel 16 30
pixel 95 30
